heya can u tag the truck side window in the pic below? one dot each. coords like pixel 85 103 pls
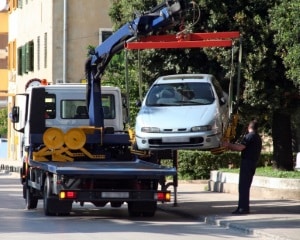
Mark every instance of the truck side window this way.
pixel 108 102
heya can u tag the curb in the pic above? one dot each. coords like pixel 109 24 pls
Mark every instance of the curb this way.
pixel 239 227
pixel 213 220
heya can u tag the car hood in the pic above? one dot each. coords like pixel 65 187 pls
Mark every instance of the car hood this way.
pixel 177 117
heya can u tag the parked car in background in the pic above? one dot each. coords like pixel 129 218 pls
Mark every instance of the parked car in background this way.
pixel 187 111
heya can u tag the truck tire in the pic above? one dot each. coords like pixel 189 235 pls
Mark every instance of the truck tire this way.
pixel 30 200
pixel 47 197
pixel 142 209
pixel 52 205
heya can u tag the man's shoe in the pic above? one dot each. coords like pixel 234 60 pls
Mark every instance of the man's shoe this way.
pixel 240 211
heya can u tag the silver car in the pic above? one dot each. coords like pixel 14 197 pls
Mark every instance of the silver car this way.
pixel 186 111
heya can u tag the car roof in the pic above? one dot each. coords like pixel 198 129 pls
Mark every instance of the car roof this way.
pixel 184 77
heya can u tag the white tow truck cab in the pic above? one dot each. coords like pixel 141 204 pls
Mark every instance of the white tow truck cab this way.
pixel 64 106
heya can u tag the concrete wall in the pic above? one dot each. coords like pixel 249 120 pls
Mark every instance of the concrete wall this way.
pixel 262 187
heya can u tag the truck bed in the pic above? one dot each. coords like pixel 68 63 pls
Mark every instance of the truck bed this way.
pixel 104 169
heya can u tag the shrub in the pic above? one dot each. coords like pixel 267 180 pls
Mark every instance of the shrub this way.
pixel 194 165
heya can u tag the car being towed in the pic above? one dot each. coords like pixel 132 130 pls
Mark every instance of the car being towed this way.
pixel 185 111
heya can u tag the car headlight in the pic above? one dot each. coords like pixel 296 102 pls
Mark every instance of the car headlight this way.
pixel 201 128
pixel 150 129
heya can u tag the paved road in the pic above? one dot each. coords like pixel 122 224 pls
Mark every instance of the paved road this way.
pixel 94 223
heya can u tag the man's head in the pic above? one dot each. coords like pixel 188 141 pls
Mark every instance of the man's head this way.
pixel 253 126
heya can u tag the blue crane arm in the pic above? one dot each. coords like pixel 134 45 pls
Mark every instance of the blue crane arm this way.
pixel 162 16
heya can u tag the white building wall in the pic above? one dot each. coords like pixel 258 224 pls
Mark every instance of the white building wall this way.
pixel 26 24
pixel 37 17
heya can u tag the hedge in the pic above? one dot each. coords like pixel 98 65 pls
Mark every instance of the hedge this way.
pixel 193 165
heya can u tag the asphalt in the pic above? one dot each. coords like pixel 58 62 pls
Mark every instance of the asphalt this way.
pixel 275 219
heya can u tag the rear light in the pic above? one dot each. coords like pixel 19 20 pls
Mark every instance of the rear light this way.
pixel 163 196
pixel 67 195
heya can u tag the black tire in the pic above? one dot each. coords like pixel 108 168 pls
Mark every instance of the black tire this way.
pixel 46 197
pixel 52 205
pixel 133 210
pixel 145 209
pixel 150 209
pixel 30 200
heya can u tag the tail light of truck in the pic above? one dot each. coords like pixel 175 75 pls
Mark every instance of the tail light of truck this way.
pixel 67 195
pixel 163 196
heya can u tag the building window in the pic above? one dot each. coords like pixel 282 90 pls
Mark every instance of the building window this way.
pixel 12 5
pixel 45 50
pixel 20 3
pixel 104 33
pixel 3 50
pixel 12 55
pixel 29 56
pixel 26 58
pixel 23 59
pixel 20 71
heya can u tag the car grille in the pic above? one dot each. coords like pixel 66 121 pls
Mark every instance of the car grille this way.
pixel 174 130
pixel 193 141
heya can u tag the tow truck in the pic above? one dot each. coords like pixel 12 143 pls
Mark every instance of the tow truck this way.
pixel 71 159
pixel 67 158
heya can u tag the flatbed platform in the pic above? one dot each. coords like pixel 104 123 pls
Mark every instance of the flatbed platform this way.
pixel 104 169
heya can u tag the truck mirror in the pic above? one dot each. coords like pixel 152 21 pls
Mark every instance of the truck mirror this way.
pixel 15 114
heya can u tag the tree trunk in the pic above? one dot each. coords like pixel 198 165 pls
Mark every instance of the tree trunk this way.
pixel 282 141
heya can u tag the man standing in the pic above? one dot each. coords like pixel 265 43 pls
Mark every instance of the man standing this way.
pixel 250 148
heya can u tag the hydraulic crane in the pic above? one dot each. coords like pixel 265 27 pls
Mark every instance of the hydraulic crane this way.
pixel 160 17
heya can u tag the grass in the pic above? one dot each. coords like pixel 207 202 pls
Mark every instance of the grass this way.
pixel 268 172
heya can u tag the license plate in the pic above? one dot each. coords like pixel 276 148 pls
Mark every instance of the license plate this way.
pixel 115 194
pixel 174 140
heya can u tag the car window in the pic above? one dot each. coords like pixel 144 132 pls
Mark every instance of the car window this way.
pixel 175 94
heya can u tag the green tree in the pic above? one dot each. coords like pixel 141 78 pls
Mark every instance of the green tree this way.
pixel 3 122
pixel 285 20
pixel 265 86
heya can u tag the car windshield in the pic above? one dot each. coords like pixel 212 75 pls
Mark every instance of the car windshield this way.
pixel 176 94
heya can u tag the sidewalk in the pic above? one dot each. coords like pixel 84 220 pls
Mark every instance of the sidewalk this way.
pixel 269 219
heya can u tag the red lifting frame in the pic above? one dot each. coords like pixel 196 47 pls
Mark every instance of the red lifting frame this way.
pixel 192 40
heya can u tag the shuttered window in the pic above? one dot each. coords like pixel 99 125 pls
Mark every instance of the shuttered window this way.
pixel 29 61
pixel 12 55
pixel 20 71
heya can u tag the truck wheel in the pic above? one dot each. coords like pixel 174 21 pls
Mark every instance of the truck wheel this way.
pixel 47 198
pixel 133 211
pixel 30 200
pixel 149 209
pixel 52 205
pixel 145 209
